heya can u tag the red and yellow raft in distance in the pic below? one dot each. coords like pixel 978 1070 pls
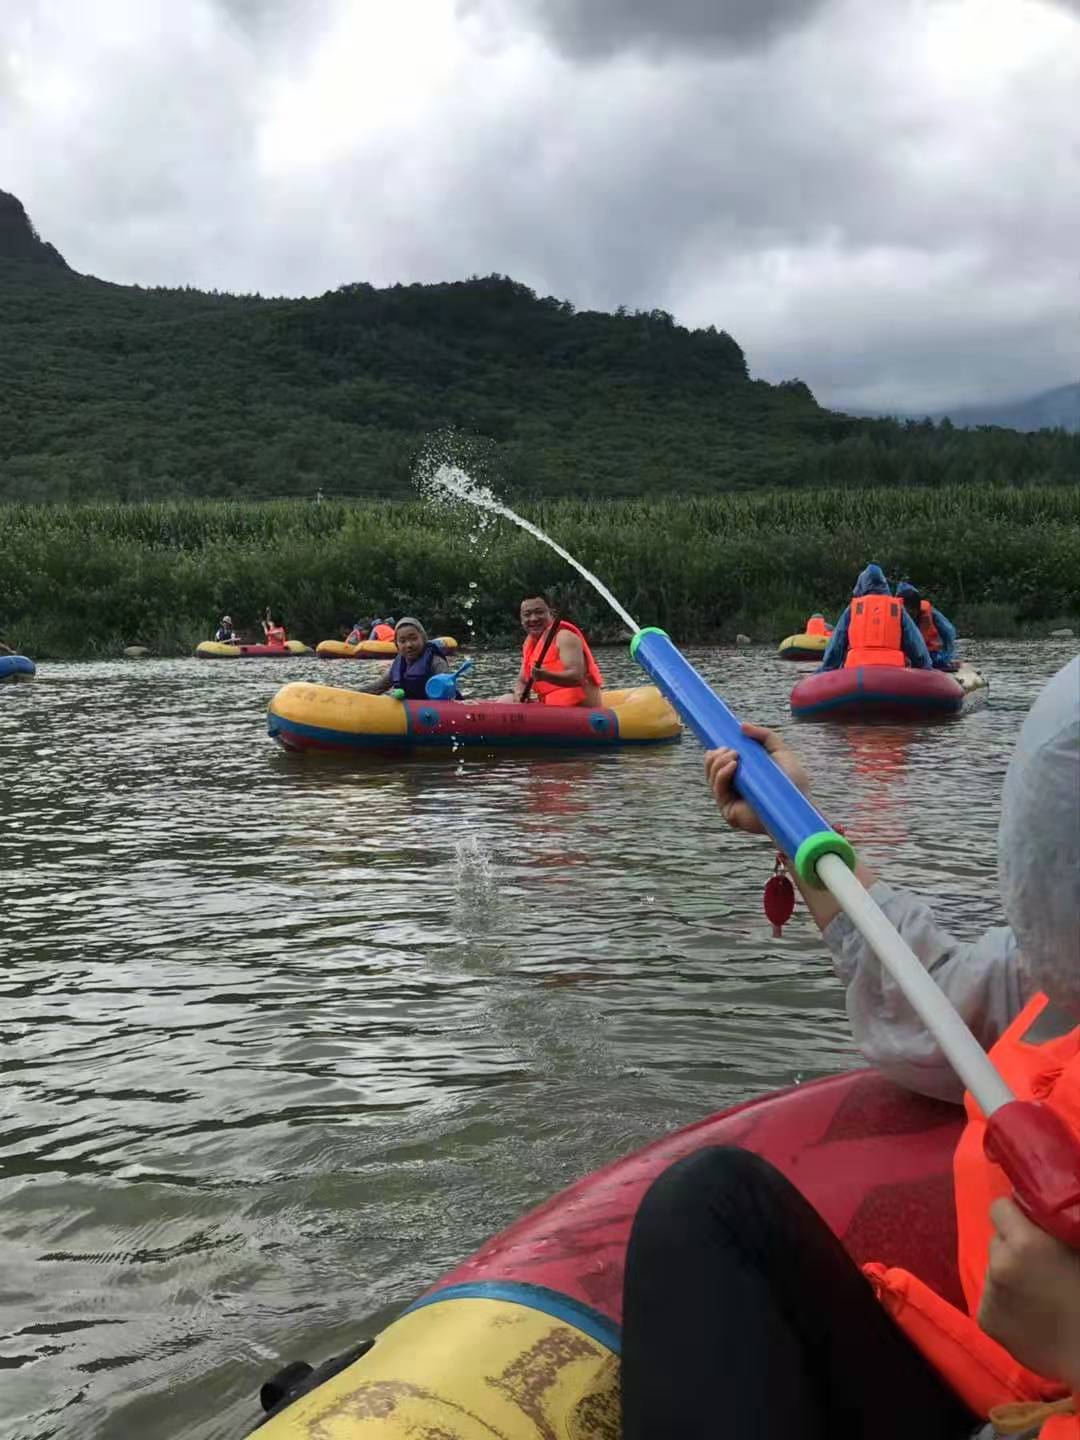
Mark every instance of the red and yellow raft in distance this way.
pixel 220 650
pixel 371 649
pixel 522 1341
pixel 305 717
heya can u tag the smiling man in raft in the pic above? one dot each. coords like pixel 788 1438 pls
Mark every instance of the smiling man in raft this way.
pixel 568 674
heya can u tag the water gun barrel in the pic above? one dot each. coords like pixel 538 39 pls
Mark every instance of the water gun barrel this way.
pixel 796 826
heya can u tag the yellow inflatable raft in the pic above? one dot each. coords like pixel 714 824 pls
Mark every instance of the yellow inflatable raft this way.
pixel 216 650
pixel 370 649
pixel 323 717
pixel 803 647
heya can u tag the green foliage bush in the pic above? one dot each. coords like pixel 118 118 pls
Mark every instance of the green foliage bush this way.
pixel 90 578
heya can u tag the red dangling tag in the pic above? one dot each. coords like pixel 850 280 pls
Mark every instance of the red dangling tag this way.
pixel 779 899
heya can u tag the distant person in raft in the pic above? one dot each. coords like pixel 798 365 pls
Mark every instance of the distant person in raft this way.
pixel 225 634
pixel 743 1314
pixel 357 635
pixel 818 625
pixel 569 675
pixel 418 658
pixel 875 629
pixel 274 630
pixel 938 632
pixel 382 629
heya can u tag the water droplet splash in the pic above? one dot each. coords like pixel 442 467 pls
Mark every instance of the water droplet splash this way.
pixel 448 485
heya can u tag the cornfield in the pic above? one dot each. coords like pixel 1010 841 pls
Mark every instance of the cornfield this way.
pixel 89 579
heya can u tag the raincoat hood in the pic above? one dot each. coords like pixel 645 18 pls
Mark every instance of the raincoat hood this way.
pixel 871 582
pixel 1039 840
pixel 904 589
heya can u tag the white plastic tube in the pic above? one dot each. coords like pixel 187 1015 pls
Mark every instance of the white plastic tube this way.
pixel 961 1049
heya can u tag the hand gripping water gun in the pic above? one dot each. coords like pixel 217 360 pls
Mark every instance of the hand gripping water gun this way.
pixel 1030 1142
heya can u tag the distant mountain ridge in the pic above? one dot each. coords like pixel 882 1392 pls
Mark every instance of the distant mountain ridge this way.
pixel 1050 409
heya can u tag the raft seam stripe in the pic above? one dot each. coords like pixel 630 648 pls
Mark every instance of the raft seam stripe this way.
pixel 533 1297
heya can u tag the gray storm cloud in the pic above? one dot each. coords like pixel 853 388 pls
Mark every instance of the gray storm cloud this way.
pixel 590 29
pixel 880 200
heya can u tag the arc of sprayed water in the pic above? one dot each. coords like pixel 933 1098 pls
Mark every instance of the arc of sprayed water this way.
pixel 451 483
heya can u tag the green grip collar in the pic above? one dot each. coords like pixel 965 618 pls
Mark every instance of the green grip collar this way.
pixel 648 630
pixel 825 842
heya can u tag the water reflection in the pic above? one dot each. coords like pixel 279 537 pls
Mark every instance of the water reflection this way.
pixel 284 1040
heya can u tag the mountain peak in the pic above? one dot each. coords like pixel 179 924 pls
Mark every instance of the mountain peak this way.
pixel 18 238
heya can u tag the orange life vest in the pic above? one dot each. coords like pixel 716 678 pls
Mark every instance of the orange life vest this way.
pixel 382 632
pixel 875 632
pixel 816 626
pixel 544 691
pixel 981 1371
pixel 928 629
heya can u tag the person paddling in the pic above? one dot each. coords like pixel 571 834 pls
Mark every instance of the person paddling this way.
pixel 938 632
pixel 875 629
pixel 568 674
pixel 274 631
pixel 741 1305
pixel 225 633
pixel 418 658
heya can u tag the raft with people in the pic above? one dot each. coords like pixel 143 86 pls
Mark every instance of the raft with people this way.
pixel 14 668
pixel 809 644
pixel 522 1340
pixel 887 692
pixel 308 717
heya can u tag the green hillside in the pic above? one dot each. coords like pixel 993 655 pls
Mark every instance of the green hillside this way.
pixel 118 392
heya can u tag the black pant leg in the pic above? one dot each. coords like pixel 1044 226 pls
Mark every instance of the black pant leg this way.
pixel 745 1317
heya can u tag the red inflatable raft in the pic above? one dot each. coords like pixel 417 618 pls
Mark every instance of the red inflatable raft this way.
pixel 886 692
pixel 874 1160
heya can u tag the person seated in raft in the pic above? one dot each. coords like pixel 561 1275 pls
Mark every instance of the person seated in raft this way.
pixel 938 632
pixel 569 674
pixel 418 658
pixel 225 634
pixel 357 635
pixel 274 630
pixel 818 625
pixel 875 629
pixel 382 629
pixel 740 1305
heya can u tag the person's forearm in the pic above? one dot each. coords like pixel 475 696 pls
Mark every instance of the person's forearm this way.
pixel 820 903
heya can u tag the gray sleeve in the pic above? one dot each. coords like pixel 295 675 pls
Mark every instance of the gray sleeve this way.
pixel 377 687
pixel 985 980
pixel 440 665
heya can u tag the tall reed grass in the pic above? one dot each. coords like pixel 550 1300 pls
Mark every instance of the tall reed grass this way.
pixel 89 579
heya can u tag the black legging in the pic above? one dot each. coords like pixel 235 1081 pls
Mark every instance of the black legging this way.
pixel 745 1317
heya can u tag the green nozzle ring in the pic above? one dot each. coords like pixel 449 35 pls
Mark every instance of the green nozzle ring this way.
pixel 648 630
pixel 824 842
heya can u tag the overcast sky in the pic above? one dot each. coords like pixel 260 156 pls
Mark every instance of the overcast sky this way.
pixel 881 197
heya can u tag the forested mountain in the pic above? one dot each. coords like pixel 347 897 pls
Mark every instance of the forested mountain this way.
pixel 1059 407
pixel 123 392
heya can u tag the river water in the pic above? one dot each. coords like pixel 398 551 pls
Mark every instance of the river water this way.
pixel 285 1038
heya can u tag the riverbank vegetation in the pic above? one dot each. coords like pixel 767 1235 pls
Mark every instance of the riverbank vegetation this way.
pixel 86 580
pixel 118 392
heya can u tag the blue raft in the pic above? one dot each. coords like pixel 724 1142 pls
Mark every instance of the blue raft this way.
pixel 16 667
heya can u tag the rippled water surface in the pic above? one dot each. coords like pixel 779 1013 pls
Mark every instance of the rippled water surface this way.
pixel 284 1038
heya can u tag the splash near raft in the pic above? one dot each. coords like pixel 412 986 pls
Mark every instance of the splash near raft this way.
pixel 522 1341
pixel 217 650
pixel 371 649
pixel 888 692
pixel 14 668
pixel 323 717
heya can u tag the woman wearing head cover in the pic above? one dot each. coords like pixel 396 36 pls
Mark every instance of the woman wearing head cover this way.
pixel 875 629
pixel 741 1306
pixel 418 658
